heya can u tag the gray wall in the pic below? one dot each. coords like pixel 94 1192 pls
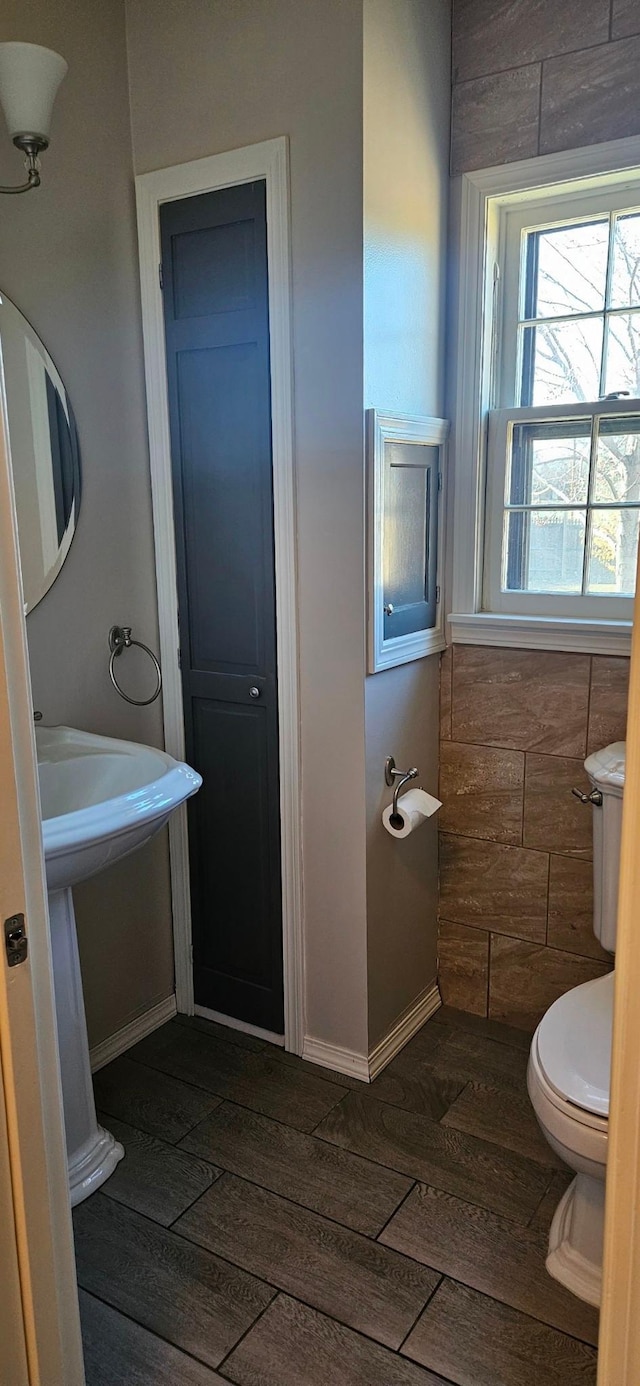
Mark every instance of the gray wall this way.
pixel 206 76
pixel 406 141
pixel 68 259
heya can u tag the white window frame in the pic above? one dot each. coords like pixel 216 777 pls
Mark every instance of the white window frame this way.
pixel 479 199
pixel 498 450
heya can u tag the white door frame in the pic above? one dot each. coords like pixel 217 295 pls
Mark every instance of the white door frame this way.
pixel 268 161
pixel 619 1348
pixel 37 1239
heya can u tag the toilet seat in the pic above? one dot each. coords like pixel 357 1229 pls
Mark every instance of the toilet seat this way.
pixel 569 1129
pixel 572 1049
pixel 568 1074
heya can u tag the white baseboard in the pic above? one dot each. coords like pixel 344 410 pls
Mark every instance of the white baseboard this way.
pixel 425 1005
pixel 331 1056
pixel 124 1039
pixel 358 1065
pixel 315 1050
pixel 233 1024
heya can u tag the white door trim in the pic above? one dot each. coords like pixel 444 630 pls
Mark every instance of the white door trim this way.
pixel 39 1242
pixel 619 1345
pixel 268 161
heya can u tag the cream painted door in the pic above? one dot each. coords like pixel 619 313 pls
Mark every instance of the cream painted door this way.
pixel 619 1349
pixel 39 1324
pixel 14 1366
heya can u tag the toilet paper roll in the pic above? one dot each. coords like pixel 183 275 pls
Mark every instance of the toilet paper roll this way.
pixel 413 808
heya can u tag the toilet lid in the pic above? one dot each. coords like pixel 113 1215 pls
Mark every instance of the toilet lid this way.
pixel 574 1045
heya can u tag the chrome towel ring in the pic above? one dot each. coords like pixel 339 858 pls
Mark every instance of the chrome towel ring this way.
pixel 119 640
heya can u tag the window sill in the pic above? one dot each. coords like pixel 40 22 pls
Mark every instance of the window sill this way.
pixel 405 648
pixel 541 632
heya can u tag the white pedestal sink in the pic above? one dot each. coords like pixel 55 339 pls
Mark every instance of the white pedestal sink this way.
pixel 101 799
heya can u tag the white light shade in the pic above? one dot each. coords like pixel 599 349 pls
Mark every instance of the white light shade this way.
pixel 29 79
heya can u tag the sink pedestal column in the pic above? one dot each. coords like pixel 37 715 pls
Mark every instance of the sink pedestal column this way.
pixel 92 1152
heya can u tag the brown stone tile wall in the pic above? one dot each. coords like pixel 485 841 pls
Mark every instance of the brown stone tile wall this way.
pixel 516 897
pixel 515 846
pixel 538 77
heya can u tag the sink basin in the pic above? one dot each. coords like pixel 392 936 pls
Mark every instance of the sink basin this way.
pixel 100 800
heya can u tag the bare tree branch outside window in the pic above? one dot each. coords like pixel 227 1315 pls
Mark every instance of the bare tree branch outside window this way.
pixel 580 342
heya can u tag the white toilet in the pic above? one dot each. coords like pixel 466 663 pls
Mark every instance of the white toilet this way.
pixel 568 1075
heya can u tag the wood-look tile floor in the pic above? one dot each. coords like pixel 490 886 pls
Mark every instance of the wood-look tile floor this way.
pixel 276 1224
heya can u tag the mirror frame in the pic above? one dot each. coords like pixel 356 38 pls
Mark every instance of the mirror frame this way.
pixel 65 543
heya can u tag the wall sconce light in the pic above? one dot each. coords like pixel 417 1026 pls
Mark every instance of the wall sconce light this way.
pixel 29 79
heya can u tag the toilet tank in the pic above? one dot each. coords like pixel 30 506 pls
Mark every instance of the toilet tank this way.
pixel 606 772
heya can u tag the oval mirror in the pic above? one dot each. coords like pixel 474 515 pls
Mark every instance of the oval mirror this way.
pixel 45 459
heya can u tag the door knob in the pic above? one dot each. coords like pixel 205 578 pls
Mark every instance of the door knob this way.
pixel 254 692
pixel 388 609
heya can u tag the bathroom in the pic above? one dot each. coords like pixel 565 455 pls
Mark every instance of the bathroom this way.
pixel 362 94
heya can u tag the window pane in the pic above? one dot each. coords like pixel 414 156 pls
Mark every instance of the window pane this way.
pixel 617 473
pixel 571 271
pixel 550 463
pixel 561 362
pixel 545 550
pixel 623 353
pixel 625 272
pixel 613 551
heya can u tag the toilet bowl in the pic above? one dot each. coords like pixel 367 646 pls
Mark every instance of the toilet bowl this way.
pixel 568 1083
pixel 570 1060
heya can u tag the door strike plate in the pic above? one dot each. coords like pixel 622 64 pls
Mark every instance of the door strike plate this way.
pixel 15 939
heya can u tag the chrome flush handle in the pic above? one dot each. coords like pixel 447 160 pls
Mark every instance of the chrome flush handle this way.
pixel 595 797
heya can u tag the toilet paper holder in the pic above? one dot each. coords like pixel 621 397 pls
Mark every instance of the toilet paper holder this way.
pixel 397 778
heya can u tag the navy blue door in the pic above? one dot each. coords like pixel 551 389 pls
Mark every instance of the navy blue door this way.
pixel 214 267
